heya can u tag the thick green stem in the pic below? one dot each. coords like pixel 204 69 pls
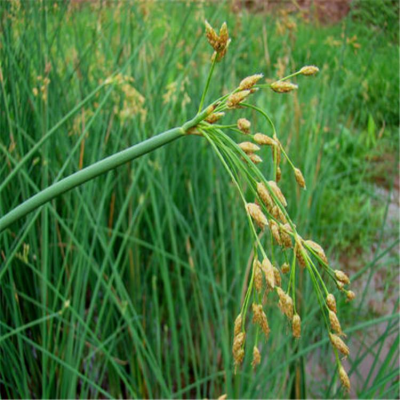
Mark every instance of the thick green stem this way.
pixel 88 173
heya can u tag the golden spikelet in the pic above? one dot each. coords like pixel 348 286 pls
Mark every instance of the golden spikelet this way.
pixel 262 139
pixel 344 378
pixel 236 98
pixel 275 231
pixel 264 325
pixel 244 125
pixel 331 302
pixel 257 311
pixel 255 158
pixel 334 321
pixel 277 277
pixel 238 342
pixel 350 295
pixel 299 178
pixel 299 251
pixel 296 326
pixel 248 147
pixel 211 36
pixel 250 81
pixel 285 237
pixel 318 250
pixel 276 152
pixel 283 87
pixel 338 343
pixel 309 70
pixel 238 356
pixel 268 273
pixel 260 318
pixel 285 268
pixel 278 174
pixel 278 193
pixel 256 357
pixel 238 325
pixel 264 195
pixel 213 118
pixel 342 277
pixel 285 303
pixel 258 275
pixel 255 212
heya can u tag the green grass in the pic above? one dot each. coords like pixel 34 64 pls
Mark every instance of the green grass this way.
pixel 150 258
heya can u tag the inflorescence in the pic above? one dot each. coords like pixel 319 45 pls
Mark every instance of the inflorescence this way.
pixel 267 213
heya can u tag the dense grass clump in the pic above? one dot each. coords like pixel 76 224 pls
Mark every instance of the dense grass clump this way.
pixel 129 285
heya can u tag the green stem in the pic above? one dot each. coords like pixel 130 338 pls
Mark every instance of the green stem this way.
pixel 90 172
pixel 207 84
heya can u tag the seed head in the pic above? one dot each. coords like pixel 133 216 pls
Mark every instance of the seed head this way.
pixel 236 98
pixel 250 81
pixel 255 212
pixel 248 147
pixel 262 139
pixel 275 231
pixel 350 295
pixel 219 43
pixel 276 151
pixel 309 70
pixel 344 378
pixel 238 356
pixel 339 344
pixel 277 277
pixel 278 174
pixel 212 118
pixel 299 251
pixel 299 178
pixel 258 276
pixel 331 302
pixel 268 271
pixel 223 35
pixel 296 326
pixel 285 268
pixel 255 158
pixel 285 303
pixel 238 325
pixel 264 195
pixel 211 36
pixel 256 357
pixel 283 86
pixel 285 237
pixel 342 277
pixel 334 321
pixel 318 250
pixel 278 193
pixel 244 125
pixel 238 342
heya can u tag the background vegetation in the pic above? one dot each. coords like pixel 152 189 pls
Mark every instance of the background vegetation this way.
pixel 129 285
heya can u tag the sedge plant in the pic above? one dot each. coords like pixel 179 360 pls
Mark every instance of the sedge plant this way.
pixel 263 201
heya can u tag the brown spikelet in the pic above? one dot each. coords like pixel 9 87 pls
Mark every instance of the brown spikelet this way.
pixel 331 302
pixel 350 295
pixel 275 231
pixel 342 277
pixel 334 321
pixel 268 271
pixel 258 276
pixel 236 98
pixel 283 87
pixel 277 277
pixel 256 357
pixel 257 311
pixel 278 174
pixel 255 212
pixel 309 70
pixel 238 325
pixel 213 118
pixel 244 125
pixel 248 147
pixel 276 152
pixel 285 237
pixel 238 342
pixel 285 303
pixel 299 251
pixel 296 326
pixel 264 195
pixel 264 325
pixel 300 178
pixel 255 158
pixel 250 81
pixel 318 250
pixel 238 356
pixel 285 268
pixel 344 378
pixel 339 344
pixel 212 36
pixel 278 193
pixel 262 139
